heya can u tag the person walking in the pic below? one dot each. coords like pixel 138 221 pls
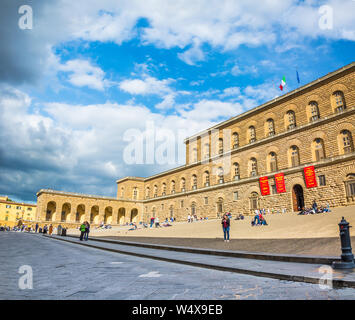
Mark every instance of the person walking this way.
pixel 188 218
pixel 226 227
pixel 87 230
pixel 151 222
pixel 50 230
pixel 82 229
pixel 36 227
pixel 157 222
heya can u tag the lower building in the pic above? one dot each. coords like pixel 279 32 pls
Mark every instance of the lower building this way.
pixel 12 213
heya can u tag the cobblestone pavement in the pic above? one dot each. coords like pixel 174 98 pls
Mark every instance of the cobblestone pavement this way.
pixel 63 270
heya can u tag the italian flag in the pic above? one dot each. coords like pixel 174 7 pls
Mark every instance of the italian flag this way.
pixel 283 83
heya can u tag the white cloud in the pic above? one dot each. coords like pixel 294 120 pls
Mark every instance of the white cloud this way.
pixel 192 55
pixel 83 74
pixel 147 85
pixel 232 91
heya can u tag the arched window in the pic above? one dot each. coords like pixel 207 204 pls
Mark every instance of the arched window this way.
pixel 236 171
pixel 147 192
pixel 155 191
pixel 172 186
pixel 194 182
pixel 220 145
pixel 347 141
pixel 220 174
pixel 291 118
pixel 273 161
pixel 295 157
pixel 183 185
pixel 164 189
pixel 206 150
pixel 235 140
pixel 253 167
pixel 314 111
pixel 350 187
pixel 252 134
pixel 339 101
pixel 318 149
pixel 271 127
pixel 207 178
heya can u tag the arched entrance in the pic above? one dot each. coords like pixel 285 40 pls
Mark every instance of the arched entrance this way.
pixel 254 202
pixel 51 209
pixel 134 215
pixel 94 215
pixel 193 209
pixel 297 197
pixel 80 213
pixel 65 212
pixel 121 215
pixel 171 211
pixel 108 215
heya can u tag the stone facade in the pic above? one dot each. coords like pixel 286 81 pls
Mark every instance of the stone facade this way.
pixel 311 126
pixel 69 209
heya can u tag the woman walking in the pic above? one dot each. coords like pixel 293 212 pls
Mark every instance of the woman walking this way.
pixel 226 227
pixel 50 230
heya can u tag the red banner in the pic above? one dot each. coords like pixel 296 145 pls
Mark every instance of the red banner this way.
pixel 264 186
pixel 280 182
pixel 310 177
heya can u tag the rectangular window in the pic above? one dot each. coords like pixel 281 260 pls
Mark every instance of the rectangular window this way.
pixel 321 180
pixel 18 208
pixel 206 200
pixel 29 209
pixel 8 206
pixel 182 203
pixel 273 189
pixel 235 195
pixel 162 206
pixel 351 188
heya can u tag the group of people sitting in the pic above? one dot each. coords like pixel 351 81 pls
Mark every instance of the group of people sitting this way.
pixel 259 219
pixel 315 209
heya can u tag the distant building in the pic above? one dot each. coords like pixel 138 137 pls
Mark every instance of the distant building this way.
pixel 12 212
pixel 281 155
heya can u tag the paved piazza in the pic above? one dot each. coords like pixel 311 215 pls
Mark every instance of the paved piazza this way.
pixel 63 270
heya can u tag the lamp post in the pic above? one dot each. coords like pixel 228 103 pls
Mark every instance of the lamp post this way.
pixel 347 257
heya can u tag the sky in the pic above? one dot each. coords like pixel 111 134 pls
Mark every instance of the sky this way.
pixel 83 83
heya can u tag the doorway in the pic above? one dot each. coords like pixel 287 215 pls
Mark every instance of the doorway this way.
pixel 297 197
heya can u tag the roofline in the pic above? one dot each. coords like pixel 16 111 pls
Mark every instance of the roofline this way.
pixel 74 194
pixel 273 101
pixel 19 203
pixel 130 178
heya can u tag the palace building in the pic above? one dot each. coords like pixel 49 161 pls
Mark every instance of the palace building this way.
pixel 281 155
